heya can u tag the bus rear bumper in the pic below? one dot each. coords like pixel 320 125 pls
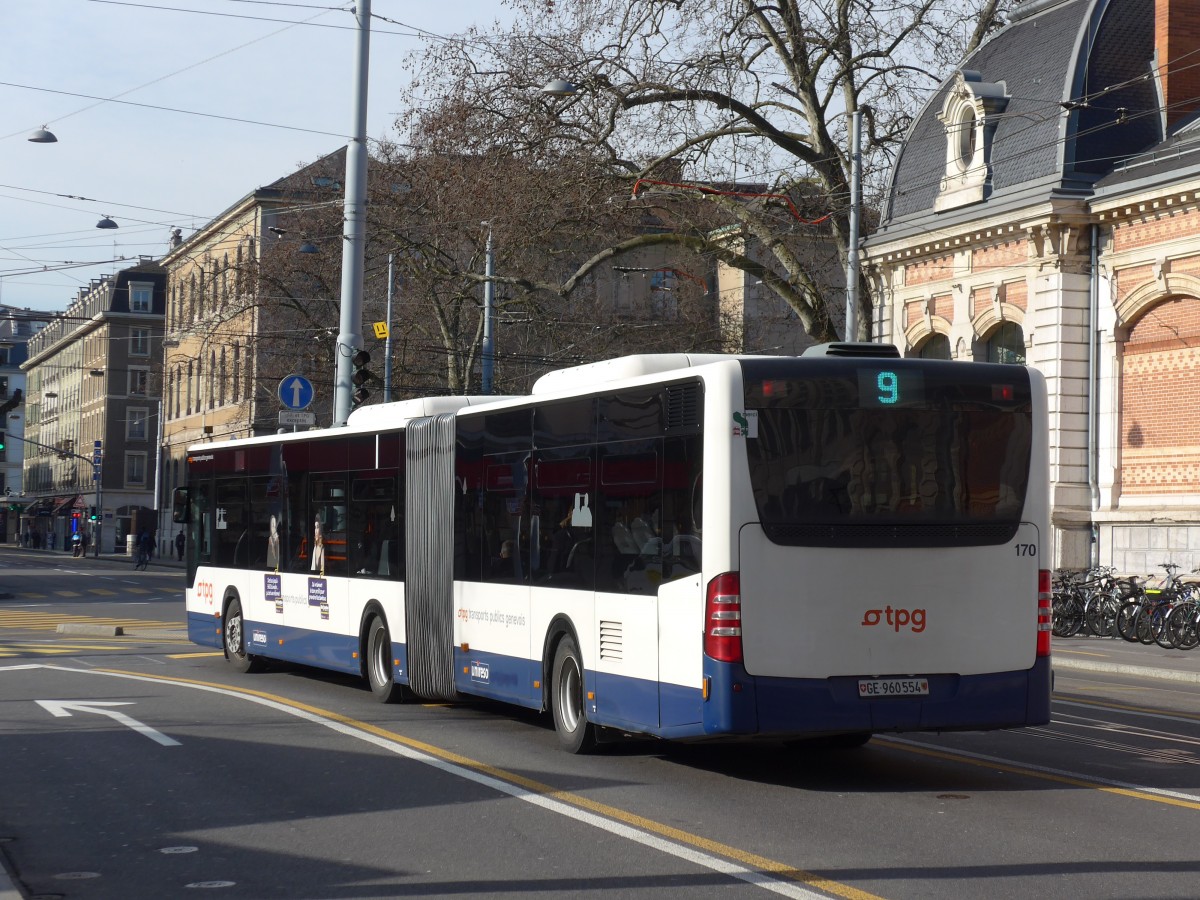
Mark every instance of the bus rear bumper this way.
pixel 742 704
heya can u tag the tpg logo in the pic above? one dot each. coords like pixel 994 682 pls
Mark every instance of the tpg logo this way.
pixel 897 618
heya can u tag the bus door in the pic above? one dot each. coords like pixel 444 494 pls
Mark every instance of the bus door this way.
pixel 324 609
pixel 629 569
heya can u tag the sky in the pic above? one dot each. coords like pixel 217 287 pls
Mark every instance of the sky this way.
pixel 170 161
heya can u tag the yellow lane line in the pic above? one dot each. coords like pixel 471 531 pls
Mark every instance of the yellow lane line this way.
pixel 1056 777
pixel 752 860
pixel 194 655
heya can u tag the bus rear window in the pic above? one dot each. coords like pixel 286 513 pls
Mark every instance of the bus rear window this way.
pixel 888 452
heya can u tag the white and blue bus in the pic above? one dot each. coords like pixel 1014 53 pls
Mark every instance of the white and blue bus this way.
pixel 692 547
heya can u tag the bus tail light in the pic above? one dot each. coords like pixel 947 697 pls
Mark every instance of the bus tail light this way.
pixel 723 618
pixel 1044 612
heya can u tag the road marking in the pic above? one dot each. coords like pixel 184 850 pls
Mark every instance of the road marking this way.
pixel 1133 710
pixel 1045 773
pixel 759 871
pixel 64 709
pixel 49 621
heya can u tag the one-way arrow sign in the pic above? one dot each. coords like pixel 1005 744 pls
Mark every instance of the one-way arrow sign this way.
pixel 295 392
pixel 63 709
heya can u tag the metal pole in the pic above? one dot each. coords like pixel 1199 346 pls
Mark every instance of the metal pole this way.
pixel 387 343
pixel 350 339
pixel 852 255
pixel 489 314
pixel 158 478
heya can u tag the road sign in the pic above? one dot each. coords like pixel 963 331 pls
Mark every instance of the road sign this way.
pixel 296 417
pixel 381 330
pixel 295 392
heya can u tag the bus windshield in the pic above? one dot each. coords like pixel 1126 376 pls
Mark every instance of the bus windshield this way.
pixel 891 451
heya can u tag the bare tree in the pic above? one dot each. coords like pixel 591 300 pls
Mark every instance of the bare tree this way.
pixel 686 102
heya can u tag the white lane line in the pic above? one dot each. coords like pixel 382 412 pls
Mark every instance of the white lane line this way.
pixel 619 829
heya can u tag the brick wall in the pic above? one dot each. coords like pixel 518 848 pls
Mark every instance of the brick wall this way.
pixel 1131 278
pixel 1176 39
pixel 1007 255
pixel 981 301
pixel 1160 401
pixel 935 269
pixel 1167 226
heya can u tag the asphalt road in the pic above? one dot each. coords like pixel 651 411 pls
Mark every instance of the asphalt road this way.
pixel 295 783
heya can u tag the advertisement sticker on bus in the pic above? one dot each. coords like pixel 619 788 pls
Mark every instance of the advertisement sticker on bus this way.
pixel 318 594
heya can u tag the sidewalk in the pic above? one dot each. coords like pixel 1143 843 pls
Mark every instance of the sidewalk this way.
pixel 1118 657
pixel 63 555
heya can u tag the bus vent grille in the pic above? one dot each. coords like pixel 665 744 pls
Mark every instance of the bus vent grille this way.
pixel 612 641
pixel 684 405
pixel 896 535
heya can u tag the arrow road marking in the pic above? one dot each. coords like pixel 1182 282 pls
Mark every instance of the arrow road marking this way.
pixel 63 709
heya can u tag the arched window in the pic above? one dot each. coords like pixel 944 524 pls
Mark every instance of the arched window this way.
pixel 189 388
pixel 212 378
pixel 237 373
pixel 937 346
pixel 222 382
pixel 1007 344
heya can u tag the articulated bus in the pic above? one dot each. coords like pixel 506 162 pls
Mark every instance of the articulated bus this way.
pixel 684 546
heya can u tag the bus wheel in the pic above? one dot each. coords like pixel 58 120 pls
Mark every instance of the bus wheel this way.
pixel 235 639
pixel 575 733
pixel 379 662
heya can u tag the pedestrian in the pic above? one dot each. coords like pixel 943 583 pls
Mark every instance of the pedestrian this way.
pixel 84 542
pixel 145 547
pixel 76 544
pixel 180 540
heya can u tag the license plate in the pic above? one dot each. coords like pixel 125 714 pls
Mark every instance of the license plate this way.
pixel 893 687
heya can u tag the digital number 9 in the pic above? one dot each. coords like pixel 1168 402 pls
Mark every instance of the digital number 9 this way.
pixel 889 387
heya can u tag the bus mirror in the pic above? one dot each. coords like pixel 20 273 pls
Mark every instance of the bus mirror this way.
pixel 179 506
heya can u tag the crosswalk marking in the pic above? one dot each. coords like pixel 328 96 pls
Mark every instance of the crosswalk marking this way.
pixel 92 591
pixel 49 621
pixel 7 651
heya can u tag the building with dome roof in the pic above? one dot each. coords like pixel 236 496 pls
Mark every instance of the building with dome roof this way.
pixel 1045 209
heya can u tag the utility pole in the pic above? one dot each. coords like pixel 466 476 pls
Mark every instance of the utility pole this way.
pixel 489 313
pixel 350 339
pixel 855 202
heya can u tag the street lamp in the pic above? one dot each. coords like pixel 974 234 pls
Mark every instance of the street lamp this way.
pixel 42 136
pixel 106 222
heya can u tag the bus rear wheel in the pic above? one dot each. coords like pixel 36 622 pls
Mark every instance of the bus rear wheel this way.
pixel 379 663
pixel 234 638
pixel 575 733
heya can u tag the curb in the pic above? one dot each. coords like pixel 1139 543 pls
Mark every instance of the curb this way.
pixel 1124 669
pixel 94 630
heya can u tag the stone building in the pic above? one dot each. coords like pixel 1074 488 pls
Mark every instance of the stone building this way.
pixel 1046 209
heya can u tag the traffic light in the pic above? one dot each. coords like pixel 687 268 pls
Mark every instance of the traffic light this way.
pixel 361 376
pixel 92 516
pixel 3 443
pixel 12 402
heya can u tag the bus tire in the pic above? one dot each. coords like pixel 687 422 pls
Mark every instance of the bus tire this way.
pixel 233 637
pixel 379 662
pixel 575 733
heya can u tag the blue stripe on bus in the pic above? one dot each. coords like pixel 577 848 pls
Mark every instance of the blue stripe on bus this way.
pixel 204 629
pixel 743 704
